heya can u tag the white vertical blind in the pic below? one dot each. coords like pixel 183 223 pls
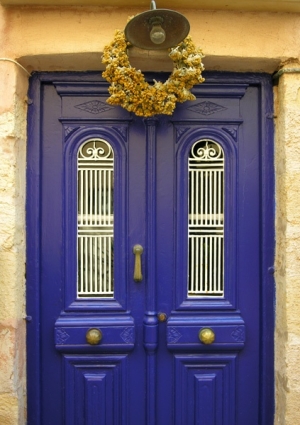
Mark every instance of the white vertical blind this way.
pixel 206 220
pixel 95 181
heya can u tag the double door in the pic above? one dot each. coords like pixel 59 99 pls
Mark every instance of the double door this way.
pixel 149 245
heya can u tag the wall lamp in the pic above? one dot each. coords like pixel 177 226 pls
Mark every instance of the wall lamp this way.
pixel 157 29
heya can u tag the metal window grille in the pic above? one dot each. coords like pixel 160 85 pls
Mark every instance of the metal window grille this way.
pixel 206 220
pixel 95 183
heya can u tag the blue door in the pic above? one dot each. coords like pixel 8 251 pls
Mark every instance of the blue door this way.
pixel 150 256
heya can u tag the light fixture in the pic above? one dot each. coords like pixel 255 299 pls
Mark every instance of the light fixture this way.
pixel 157 33
pixel 157 29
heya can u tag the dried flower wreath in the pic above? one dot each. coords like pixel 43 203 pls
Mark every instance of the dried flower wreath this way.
pixel 130 90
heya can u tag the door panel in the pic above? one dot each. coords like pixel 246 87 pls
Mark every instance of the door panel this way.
pixel 204 387
pixel 149 366
pixel 95 389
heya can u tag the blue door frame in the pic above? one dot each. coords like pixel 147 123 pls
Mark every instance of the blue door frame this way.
pixel 147 371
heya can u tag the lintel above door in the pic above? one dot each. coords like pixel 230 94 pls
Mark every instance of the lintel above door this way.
pixel 242 5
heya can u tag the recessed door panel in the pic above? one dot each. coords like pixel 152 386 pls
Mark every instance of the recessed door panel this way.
pixel 205 386
pixel 149 242
pixel 95 389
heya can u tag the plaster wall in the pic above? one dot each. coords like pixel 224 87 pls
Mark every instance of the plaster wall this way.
pixel 72 39
pixel 258 5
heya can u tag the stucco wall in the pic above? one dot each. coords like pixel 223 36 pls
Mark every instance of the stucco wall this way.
pixel 72 39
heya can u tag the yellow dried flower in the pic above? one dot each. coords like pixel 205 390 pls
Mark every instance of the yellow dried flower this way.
pixel 130 90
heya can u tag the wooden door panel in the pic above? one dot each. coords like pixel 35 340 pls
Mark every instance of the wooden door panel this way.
pixel 72 142
pixel 183 335
pixel 95 389
pixel 187 135
pixel 205 389
pixel 149 370
pixel 118 334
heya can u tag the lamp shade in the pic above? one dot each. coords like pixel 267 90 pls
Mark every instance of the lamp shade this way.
pixel 175 26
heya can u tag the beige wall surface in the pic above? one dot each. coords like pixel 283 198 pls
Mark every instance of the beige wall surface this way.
pixel 73 38
pixel 13 88
pixel 254 5
pixel 288 250
pixel 52 38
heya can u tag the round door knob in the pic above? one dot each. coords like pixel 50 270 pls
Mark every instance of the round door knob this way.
pixel 93 336
pixel 162 317
pixel 206 336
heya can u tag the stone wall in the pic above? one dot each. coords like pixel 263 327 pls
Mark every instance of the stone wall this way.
pixel 12 244
pixel 288 247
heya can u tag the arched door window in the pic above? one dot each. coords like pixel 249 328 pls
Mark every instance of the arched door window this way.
pixel 206 220
pixel 95 228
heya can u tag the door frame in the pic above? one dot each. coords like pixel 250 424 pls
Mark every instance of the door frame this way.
pixel 267 195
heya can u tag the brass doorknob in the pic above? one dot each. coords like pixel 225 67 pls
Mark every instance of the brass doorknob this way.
pixel 206 336
pixel 93 336
pixel 162 317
